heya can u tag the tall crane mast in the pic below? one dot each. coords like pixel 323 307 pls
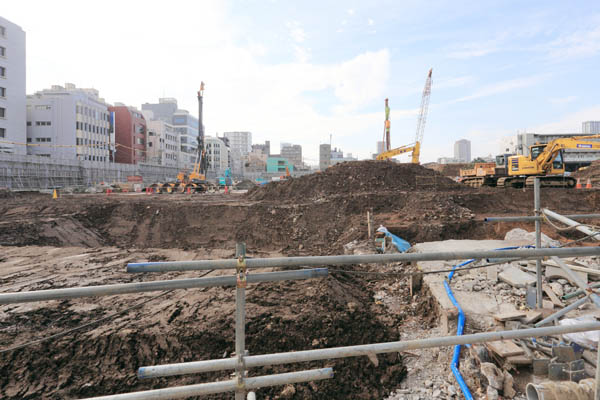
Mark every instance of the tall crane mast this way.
pixel 422 117
pixel 201 160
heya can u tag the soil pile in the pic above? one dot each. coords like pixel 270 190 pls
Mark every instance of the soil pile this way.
pixel 355 177
pixel 448 169
pixel 592 172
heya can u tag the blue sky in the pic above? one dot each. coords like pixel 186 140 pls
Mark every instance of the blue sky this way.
pixel 300 71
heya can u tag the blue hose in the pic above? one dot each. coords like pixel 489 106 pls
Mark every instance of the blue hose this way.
pixel 460 327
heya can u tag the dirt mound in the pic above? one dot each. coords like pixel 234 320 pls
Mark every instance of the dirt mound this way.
pixel 592 172
pixel 354 177
pixel 448 169
pixel 245 184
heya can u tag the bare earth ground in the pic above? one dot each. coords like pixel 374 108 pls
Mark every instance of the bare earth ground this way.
pixel 84 240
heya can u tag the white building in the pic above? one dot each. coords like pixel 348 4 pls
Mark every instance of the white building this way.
pixel 337 156
pixel 163 146
pixel 12 88
pixel 574 158
pixel 591 127
pixel 293 153
pixel 69 122
pixel 217 154
pixel 462 150
pixel 240 144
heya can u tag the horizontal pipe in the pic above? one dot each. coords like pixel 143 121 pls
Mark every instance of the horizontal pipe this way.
pixel 578 292
pixel 356 351
pixel 578 281
pixel 562 312
pixel 360 259
pixel 570 222
pixel 179 392
pixel 124 288
pixel 532 218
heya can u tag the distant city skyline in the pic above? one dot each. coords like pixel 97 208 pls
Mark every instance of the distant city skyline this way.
pixel 288 74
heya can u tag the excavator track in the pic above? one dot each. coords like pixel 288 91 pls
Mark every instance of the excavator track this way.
pixel 552 181
pixel 511 181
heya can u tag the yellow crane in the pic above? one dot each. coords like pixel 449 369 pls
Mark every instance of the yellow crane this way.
pixel 546 161
pixel 415 147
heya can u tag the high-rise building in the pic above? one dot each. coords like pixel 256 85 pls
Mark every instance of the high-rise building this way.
pixel 163 143
pixel 591 127
pixel 293 153
pixel 462 150
pixel 324 156
pixel 70 122
pixel 240 144
pixel 130 134
pixel 380 147
pixel 185 125
pixel 12 88
pixel 217 154
pixel 262 148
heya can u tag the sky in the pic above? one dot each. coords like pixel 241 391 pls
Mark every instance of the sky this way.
pixel 308 72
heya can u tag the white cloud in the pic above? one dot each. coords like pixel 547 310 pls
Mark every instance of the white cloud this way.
pixel 502 87
pixel 296 31
pixel 562 100
pixel 582 43
pixel 571 122
pixel 350 11
pixel 370 22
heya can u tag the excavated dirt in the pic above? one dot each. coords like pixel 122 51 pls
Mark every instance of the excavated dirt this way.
pixel 592 172
pixel 450 170
pixel 354 178
pixel 90 238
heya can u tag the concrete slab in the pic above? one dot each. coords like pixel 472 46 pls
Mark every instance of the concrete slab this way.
pixel 479 307
pixel 515 277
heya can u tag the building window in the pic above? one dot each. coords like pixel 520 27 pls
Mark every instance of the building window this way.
pixel 2 132
pixel 28 140
pixel 2 92
pixel 28 123
pixel 43 123
pixel 2 72
pixel 2 112
pixel 2 51
pixel 2 31
pixel 43 107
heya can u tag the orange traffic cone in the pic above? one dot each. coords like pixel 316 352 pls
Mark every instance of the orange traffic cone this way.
pixel 55 194
pixel 226 189
pixel 588 185
pixel 578 186
pixel 108 191
pixel 189 190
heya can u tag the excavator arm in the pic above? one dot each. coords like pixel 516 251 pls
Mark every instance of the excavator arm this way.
pixel 394 152
pixel 546 157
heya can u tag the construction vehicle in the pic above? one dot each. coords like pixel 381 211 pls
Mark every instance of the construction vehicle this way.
pixel 415 147
pixel 545 161
pixel 485 174
pixel 195 181
pixel 224 180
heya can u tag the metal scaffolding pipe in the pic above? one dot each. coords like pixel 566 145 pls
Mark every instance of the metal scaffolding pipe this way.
pixel 574 278
pixel 562 312
pixel 180 392
pixel 360 259
pixel 532 218
pixel 538 242
pixel 570 222
pixel 357 351
pixel 124 288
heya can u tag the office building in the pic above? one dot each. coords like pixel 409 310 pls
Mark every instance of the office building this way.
pixel 293 153
pixel 337 156
pixel 380 147
pixel 324 156
pixel 217 154
pixel 70 122
pixel 462 150
pixel 185 125
pixel 130 134
pixel 162 143
pixel 279 165
pixel 12 88
pixel 591 127
pixel 262 148
pixel 240 144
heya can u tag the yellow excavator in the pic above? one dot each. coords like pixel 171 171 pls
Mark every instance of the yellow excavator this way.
pixel 546 161
pixel 415 147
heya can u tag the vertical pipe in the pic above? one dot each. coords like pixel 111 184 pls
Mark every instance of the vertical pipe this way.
pixel 369 224
pixel 240 320
pixel 251 396
pixel 597 397
pixel 538 241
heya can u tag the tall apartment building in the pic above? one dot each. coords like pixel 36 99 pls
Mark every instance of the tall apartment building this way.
pixel 217 154
pixel 324 156
pixel 185 125
pixel 591 127
pixel 130 134
pixel 162 146
pixel 240 144
pixel 293 153
pixel 70 122
pixel 462 150
pixel 12 88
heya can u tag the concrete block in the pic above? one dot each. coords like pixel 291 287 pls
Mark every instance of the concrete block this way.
pixel 556 273
pixel 516 277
